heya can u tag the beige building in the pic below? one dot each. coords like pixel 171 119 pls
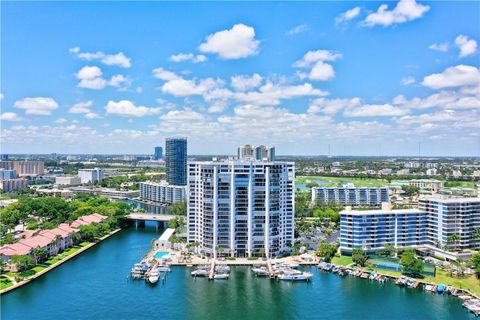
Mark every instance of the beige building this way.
pixel 427 184
pixel 28 168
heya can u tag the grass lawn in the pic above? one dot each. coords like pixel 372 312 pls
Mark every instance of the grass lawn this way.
pixel 442 277
pixel 342 260
pixel 5 283
pixel 336 181
pixel 470 283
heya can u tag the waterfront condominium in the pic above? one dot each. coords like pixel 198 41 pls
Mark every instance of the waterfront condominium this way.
pixel 244 207
pixel 176 161
pixel 452 216
pixel 431 226
pixel 355 196
pixel 162 192
pixel 372 229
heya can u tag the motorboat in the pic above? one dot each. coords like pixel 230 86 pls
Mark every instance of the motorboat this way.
pixel 154 275
pixel 200 273
pixel 260 271
pixel 289 276
pixel 221 276
pixel 164 269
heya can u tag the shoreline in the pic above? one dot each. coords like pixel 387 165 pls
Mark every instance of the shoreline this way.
pixel 53 266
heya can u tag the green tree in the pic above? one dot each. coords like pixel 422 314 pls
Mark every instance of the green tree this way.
pixel 359 257
pixel 388 250
pixel 326 251
pixel 39 254
pixel 89 232
pixel 452 241
pixel 23 263
pixel 475 259
pixel 8 239
pixel 410 190
pixel 410 264
pixel 179 208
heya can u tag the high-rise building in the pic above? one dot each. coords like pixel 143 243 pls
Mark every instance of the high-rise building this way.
pixel 158 153
pixel 28 168
pixel 6 174
pixel 90 175
pixel 351 196
pixel 452 216
pixel 245 207
pixel 176 161
pixel 250 152
pixel 246 152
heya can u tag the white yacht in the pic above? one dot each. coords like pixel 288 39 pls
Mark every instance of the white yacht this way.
pixel 294 276
pixel 154 275
pixel 220 276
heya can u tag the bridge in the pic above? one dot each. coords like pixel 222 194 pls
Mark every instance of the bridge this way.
pixel 150 217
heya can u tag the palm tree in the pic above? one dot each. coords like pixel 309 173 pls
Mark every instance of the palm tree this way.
pixel 38 254
pixel 453 239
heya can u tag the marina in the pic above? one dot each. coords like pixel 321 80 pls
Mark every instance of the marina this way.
pixel 104 283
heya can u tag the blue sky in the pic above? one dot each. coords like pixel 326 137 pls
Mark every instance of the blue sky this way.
pixel 366 78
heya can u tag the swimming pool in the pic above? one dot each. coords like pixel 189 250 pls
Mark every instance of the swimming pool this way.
pixel 160 254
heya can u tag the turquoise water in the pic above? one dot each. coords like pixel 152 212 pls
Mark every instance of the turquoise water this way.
pixel 160 254
pixel 94 285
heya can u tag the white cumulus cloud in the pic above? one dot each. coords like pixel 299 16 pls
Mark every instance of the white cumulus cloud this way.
pixel 81 107
pixel 119 59
pixel 404 11
pixel 39 106
pixel 126 108
pixel 243 83
pixel 467 46
pixel 188 57
pixel 10 116
pixel 315 61
pixel 348 15
pixel 236 43
pixel 458 76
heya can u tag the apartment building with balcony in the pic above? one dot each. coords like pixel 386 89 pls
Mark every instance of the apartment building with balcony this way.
pixel 351 196
pixel 246 207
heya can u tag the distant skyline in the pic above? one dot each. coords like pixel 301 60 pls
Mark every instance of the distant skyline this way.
pixel 358 78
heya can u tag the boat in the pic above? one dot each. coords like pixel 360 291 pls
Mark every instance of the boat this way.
pixel 164 269
pixel 220 276
pixel 138 271
pixel 260 271
pixel 410 283
pixel 373 275
pixel 289 276
pixel 440 288
pixel 154 275
pixel 200 273
pixel 428 287
pixel 402 281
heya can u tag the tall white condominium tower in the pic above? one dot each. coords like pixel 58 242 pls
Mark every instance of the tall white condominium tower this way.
pixel 245 207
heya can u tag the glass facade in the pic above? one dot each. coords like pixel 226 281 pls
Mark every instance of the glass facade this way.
pixel 176 161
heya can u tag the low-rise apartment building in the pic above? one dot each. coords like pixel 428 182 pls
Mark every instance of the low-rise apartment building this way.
pixel 351 196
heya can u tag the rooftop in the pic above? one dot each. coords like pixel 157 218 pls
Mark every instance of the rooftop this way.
pixel 381 211
pixel 444 199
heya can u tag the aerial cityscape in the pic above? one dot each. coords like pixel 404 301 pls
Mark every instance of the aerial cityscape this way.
pixel 240 160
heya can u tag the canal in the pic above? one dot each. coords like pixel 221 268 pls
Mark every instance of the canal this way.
pixel 94 285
